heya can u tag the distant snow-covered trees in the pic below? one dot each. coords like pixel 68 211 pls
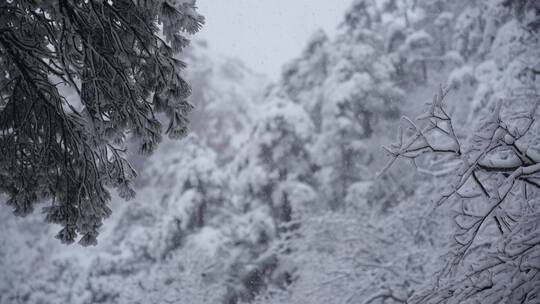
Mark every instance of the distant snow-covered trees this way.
pixel 77 78
pixel 275 199
pixel 226 95
pixel 347 86
pixel 172 244
pixel 274 185
pixel 495 176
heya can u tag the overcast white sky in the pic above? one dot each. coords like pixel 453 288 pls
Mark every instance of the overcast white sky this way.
pixel 265 34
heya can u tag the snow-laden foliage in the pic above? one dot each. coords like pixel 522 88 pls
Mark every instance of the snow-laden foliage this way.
pixel 274 179
pixel 182 202
pixel 144 251
pixel 348 88
pixel 78 77
pixel 493 171
pixel 226 95
pixel 283 196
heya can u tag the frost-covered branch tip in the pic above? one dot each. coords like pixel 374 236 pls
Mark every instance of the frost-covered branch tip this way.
pixel 495 162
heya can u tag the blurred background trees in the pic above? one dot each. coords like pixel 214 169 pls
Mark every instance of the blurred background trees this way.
pixel 280 198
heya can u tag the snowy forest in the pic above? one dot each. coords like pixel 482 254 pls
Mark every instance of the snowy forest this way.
pixel 396 160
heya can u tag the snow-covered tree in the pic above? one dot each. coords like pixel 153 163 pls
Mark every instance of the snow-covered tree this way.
pixel 274 185
pixel 496 183
pixel 303 78
pixel 358 94
pixel 277 201
pixel 78 77
pixel 357 255
pixel 172 246
pixel 226 95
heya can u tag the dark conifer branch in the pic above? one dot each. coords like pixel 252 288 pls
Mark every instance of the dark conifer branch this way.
pixel 112 57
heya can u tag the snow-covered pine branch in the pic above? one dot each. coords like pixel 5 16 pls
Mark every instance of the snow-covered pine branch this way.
pixel 81 76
